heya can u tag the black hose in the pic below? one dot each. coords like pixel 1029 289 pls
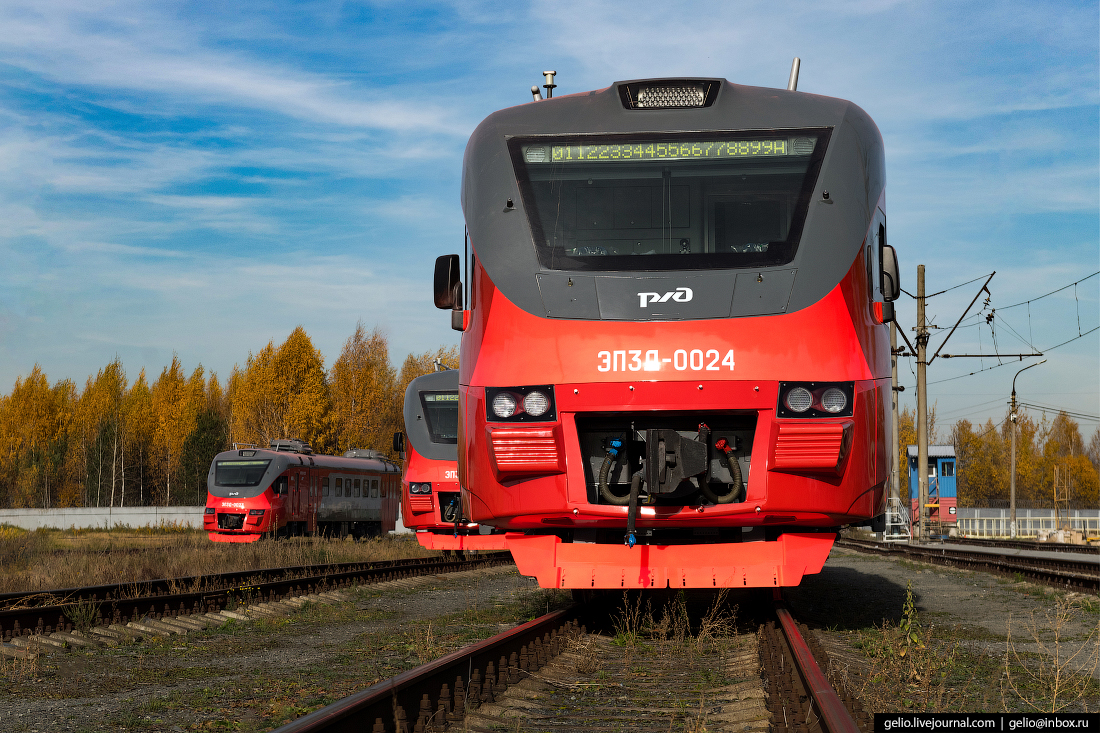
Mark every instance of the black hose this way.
pixel 736 487
pixel 632 512
pixel 605 490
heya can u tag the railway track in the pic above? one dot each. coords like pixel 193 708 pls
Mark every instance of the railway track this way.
pixel 58 611
pixel 1071 572
pixel 562 671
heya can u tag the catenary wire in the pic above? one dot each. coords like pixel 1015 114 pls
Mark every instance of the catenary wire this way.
pixel 1005 363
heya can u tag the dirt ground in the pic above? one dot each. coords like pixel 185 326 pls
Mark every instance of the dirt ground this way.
pixel 253 676
pixel 981 619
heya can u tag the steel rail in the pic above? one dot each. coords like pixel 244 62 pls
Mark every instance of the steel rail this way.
pixel 1068 572
pixel 427 689
pixel 213 581
pixel 831 710
pixel 21 621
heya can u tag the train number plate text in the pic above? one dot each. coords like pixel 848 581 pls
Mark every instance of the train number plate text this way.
pixel 639 360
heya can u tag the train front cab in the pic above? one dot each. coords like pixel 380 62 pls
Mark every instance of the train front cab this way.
pixel 430 498
pixel 646 313
pixel 252 493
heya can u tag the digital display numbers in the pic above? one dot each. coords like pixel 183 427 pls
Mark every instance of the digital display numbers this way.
pixel 648 151
pixel 446 397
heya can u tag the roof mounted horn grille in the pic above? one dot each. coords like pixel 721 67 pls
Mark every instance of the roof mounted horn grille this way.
pixel 668 94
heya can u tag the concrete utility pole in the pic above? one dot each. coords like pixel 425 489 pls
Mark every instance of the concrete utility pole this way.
pixel 922 408
pixel 1012 473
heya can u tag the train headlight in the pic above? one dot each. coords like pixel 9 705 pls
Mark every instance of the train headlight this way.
pixel 815 399
pixel 424 487
pixel 209 510
pixel 504 405
pixel 668 94
pixel 529 403
pixel 799 399
pixel 833 400
pixel 255 512
pixel 535 404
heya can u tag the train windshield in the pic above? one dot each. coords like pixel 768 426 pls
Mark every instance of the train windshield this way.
pixel 244 474
pixel 668 202
pixel 441 414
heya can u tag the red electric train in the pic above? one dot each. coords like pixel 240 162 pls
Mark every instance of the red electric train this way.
pixel 430 503
pixel 289 491
pixel 675 370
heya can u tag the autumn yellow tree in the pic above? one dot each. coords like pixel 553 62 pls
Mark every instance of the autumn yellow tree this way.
pixel 137 410
pixel 34 421
pixel 982 465
pixel 282 393
pixel 907 436
pixel 362 384
pixel 102 432
pixel 176 403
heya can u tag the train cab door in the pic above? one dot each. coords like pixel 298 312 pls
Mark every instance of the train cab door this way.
pixel 292 497
pixel 303 493
pixel 312 501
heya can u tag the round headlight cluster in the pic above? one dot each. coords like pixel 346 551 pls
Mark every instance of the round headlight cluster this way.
pixel 799 399
pixel 535 404
pixel 833 400
pixel 504 405
pixel 420 488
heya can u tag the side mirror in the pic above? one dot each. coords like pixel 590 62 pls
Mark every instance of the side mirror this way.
pixel 398 442
pixel 891 278
pixel 448 282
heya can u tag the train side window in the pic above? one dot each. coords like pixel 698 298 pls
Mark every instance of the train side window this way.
pixel 382 491
pixel 339 487
pixel 374 489
pixel 357 488
pixel 279 487
pixel 324 486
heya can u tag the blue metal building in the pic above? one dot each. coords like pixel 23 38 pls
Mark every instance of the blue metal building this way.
pixel 941 482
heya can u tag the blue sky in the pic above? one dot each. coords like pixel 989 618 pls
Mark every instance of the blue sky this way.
pixel 199 179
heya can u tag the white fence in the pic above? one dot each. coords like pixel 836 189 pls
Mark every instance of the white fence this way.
pixel 105 517
pixel 1029 522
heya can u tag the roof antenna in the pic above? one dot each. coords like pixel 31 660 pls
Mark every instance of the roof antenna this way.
pixel 549 85
pixel 536 95
pixel 792 84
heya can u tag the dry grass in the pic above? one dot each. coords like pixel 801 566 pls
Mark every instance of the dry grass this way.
pixel 910 664
pixel 49 559
pixel 1061 673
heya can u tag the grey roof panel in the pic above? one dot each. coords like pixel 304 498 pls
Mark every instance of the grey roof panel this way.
pixel 853 171
pixel 934 451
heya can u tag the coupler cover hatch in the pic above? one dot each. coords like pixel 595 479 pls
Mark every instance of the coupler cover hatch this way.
pixel 671 459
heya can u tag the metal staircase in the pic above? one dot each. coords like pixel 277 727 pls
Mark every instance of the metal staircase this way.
pixel 897 522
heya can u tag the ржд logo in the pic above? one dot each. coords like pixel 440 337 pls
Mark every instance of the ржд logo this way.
pixel 680 295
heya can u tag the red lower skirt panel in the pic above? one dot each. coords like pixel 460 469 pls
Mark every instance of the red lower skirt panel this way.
pixel 226 537
pixel 727 565
pixel 433 541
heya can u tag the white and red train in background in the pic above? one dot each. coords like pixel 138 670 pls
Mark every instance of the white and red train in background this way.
pixel 286 490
